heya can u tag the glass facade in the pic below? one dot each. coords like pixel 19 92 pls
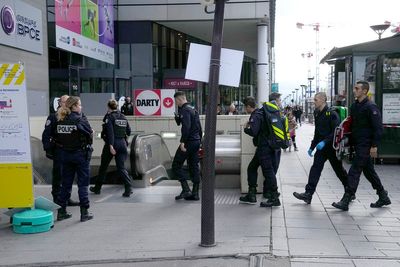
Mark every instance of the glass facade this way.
pixel 147 54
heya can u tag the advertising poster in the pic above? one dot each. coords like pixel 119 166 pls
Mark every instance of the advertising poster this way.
pixel 16 181
pixel 21 26
pixel 391 109
pixel 156 102
pixel 86 27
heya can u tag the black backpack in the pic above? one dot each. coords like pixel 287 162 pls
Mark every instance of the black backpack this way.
pixel 276 128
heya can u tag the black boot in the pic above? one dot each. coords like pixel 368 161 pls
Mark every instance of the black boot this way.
pixel 382 201
pixel 273 201
pixel 195 193
pixel 128 191
pixel 306 196
pixel 185 191
pixel 72 203
pixel 62 214
pixel 250 197
pixel 85 215
pixel 95 189
pixel 343 204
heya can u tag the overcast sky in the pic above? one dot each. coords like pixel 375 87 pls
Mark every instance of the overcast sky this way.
pixel 343 22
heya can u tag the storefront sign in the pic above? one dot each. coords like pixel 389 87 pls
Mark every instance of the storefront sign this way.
pixel 86 27
pixel 156 102
pixel 179 84
pixel 16 182
pixel 391 108
pixel 21 26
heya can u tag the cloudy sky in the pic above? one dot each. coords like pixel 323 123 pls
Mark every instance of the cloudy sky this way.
pixel 343 22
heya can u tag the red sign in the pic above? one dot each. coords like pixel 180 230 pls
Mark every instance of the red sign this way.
pixel 156 102
pixel 179 84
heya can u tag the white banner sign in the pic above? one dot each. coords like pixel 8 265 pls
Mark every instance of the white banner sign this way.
pixel 198 65
pixel 21 26
pixel 391 108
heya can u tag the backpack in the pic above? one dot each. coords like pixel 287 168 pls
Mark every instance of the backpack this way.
pixel 276 128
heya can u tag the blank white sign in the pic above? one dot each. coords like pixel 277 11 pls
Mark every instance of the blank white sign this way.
pixel 198 66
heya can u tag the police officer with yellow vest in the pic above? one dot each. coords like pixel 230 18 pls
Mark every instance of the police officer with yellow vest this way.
pixel 74 138
pixel 115 131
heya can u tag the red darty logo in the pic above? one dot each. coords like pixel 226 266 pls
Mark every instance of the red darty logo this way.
pixel 168 102
pixel 147 102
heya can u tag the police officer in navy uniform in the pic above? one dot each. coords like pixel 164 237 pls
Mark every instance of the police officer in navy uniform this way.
pixel 366 133
pixel 188 149
pixel 326 121
pixel 266 156
pixel 52 152
pixel 74 137
pixel 127 107
pixel 115 131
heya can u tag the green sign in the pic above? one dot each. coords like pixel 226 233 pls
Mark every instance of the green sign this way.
pixel 275 87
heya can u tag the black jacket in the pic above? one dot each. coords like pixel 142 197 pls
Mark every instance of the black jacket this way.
pixel 109 120
pixel 325 123
pixel 191 127
pixel 366 127
pixel 254 129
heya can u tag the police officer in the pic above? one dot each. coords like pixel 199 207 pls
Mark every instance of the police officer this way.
pixel 115 131
pixel 326 121
pixel 265 156
pixel 52 152
pixel 74 137
pixel 188 149
pixel 366 133
pixel 127 107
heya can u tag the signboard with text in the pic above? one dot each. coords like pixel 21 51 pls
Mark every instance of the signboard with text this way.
pixel 21 26
pixel 179 84
pixel 156 102
pixel 391 108
pixel 86 27
pixel 16 181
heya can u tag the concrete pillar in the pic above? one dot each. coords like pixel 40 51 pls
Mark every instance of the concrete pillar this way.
pixel 263 77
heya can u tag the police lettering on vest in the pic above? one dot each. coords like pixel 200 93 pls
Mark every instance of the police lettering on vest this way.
pixel 68 136
pixel 120 128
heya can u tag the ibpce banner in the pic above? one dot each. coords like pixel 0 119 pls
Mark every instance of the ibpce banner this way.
pixel 16 181
pixel 156 102
pixel 86 27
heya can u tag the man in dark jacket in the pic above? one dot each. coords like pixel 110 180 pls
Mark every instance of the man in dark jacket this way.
pixel 189 147
pixel 366 134
pixel 325 123
pixel 127 107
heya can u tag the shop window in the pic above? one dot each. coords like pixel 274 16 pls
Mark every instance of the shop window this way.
pixel 391 73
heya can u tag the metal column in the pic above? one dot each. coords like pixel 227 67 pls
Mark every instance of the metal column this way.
pixel 263 77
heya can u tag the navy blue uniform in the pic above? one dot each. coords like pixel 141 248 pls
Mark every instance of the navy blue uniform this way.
pixel 366 131
pixel 191 136
pixel 52 152
pixel 74 137
pixel 265 156
pixel 116 129
pixel 325 123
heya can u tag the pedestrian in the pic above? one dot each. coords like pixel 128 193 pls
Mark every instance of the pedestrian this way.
pixel 366 134
pixel 326 121
pixel 127 107
pixel 292 131
pixel 115 131
pixel 188 149
pixel 232 110
pixel 52 151
pixel 297 113
pixel 265 156
pixel 74 137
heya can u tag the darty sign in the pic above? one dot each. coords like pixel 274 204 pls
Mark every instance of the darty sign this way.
pixel 21 26
pixel 156 102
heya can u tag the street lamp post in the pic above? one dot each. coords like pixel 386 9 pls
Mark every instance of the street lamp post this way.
pixel 297 89
pixel 293 101
pixel 303 94
pixel 208 164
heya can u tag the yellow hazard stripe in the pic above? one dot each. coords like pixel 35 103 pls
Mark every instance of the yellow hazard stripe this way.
pixel 3 69
pixel 21 78
pixel 278 132
pixel 12 74
pixel 272 105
